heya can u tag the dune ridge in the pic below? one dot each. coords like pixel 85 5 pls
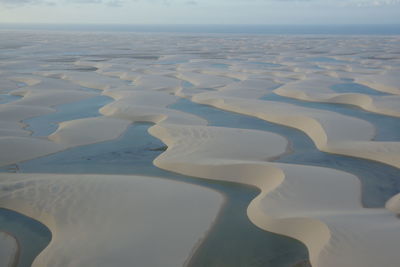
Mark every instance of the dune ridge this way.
pixel 317 90
pixel 91 207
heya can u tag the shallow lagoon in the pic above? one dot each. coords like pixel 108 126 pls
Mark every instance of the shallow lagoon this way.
pixel 6 98
pixel 47 124
pixel 356 88
pixel 32 235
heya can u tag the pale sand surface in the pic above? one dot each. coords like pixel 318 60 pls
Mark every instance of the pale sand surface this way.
pixel 8 250
pixel 148 107
pixel 114 220
pixel 157 82
pixel 393 204
pixel 88 131
pixel 16 113
pixel 43 98
pixel 204 80
pixel 318 206
pixel 93 80
pixel 387 81
pixel 24 148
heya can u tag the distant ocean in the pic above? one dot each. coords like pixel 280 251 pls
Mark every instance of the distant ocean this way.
pixel 220 29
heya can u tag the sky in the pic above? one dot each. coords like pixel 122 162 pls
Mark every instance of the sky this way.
pixel 201 11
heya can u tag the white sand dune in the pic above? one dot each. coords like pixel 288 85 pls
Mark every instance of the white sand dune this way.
pixel 251 88
pixel 93 80
pixel 386 82
pixel 393 204
pixel 147 107
pixel 142 97
pixel 128 76
pixel 16 113
pixel 50 84
pixel 6 84
pixel 157 82
pixel 135 106
pixel 204 80
pixel 114 220
pixel 8 250
pixel 88 131
pixel 327 217
pixel 25 148
pixel 247 88
pixel 385 152
pixel 49 98
pixel 206 138
pixel 317 90
pixel 21 146
pixel 12 128
pixel 30 80
pixel 70 134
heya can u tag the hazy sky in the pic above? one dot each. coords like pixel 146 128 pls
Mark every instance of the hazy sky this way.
pixel 201 11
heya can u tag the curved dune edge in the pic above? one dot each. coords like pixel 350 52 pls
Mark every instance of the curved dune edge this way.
pixel 385 152
pixel 8 249
pixel 147 107
pixel 318 206
pixel 91 207
pixel 330 132
pixel 387 81
pixel 393 204
pixel 25 148
pixel 88 131
pixel 202 80
pixel 317 90
pixel 48 98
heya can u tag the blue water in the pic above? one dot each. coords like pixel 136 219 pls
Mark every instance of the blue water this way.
pixel 265 64
pixel 32 235
pixel 6 98
pixel 220 66
pixel 379 181
pixel 171 62
pixel 326 60
pixel 187 84
pixel 356 88
pixel 47 124
pixel 393 29
pixel 387 127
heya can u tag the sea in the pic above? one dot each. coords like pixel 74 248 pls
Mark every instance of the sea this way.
pixel 365 29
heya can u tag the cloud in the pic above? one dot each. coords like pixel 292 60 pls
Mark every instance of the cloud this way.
pixel 16 3
pixel 191 3
pixel 112 3
pixel 379 3
pixel 117 3
pixel 31 2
